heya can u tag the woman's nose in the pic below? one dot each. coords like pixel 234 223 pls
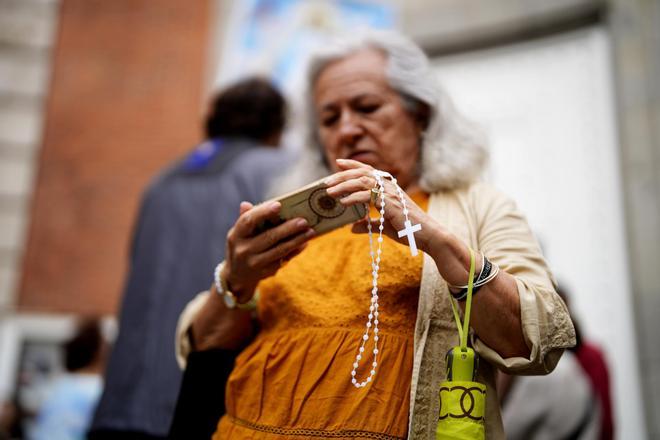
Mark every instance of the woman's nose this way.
pixel 350 129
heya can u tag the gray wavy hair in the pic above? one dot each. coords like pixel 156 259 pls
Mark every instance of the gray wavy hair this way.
pixel 453 151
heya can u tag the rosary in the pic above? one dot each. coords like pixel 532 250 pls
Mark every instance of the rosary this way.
pixel 408 231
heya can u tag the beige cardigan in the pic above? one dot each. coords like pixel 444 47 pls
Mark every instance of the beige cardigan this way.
pixel 491 223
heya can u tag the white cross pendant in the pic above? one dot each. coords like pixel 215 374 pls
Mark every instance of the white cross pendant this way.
pixel 409 230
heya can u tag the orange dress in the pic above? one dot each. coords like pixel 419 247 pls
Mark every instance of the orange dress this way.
pixel 294 379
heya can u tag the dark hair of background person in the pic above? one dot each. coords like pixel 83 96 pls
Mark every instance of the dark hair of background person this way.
pixel 252 108
pixel 85 347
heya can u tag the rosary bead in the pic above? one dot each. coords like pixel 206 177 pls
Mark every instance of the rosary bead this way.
pixel 375 266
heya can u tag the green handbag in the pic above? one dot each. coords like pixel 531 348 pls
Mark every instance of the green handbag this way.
pixel 462 399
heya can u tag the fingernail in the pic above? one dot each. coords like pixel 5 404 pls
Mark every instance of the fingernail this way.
pixel 301 222
pixel 275 206
pixel 310 233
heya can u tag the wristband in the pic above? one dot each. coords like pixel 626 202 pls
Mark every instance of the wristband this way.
pixel 228 296
pixel 488 272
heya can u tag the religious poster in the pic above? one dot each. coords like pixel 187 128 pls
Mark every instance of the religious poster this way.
pixel 274 37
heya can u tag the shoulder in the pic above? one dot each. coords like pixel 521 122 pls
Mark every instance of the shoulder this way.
pixel 258 167
pixel 486 196
pixel 157 195
pixel 481 199
pixel 263 158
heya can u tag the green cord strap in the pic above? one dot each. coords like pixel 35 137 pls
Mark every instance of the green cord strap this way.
pixel 464 329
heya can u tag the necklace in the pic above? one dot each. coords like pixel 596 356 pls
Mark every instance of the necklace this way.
pixel 372 318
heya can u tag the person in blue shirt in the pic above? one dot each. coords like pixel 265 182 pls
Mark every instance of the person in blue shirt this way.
pixel 174 245
pixel 67 411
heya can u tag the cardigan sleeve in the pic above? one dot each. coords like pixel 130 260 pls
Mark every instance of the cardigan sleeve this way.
pixel 182 344
pixel 506 239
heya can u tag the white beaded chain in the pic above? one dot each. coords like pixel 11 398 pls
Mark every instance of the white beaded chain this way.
pixel 375 266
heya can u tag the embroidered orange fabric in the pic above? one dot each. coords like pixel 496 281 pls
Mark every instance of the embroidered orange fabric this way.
pixel 294 380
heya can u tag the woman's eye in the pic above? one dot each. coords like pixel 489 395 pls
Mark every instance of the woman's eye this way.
pixel 329 120
pixel 368 108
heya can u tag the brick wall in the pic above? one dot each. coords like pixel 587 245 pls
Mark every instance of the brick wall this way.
pixel 125 99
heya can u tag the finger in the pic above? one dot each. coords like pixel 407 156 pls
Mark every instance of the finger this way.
pixel 360 227
pixel 278 252
pixel 244 207
pixel 295 253
pixel 356 197
pixel 251 219
pixel 273 236
pixel 342 176
pixel 346 164
pixel 360 183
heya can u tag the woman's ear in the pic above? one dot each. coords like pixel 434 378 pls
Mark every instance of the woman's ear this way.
pixel 422 116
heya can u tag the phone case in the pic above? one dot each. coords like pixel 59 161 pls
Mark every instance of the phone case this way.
pixel 323 212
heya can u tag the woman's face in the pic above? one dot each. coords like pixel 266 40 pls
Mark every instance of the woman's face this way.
pixel 361 118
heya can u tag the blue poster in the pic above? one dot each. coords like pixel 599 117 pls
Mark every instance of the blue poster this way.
pixel 274 37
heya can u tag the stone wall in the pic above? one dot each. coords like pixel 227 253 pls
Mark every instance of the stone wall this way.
pixel 27 35
pixel 635 30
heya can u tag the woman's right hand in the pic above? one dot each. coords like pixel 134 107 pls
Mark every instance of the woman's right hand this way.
pixel 252 255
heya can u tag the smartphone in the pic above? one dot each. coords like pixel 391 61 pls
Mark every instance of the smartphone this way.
pixel 312 202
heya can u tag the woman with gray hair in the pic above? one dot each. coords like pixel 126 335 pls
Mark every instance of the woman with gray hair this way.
pixel 373 105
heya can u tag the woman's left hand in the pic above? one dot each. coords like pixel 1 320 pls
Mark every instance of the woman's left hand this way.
pixel 353 185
